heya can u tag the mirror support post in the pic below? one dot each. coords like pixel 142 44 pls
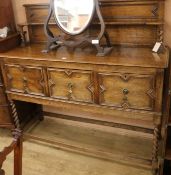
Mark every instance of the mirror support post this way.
pixel 52 41
pixel 102 51
pixel 55 42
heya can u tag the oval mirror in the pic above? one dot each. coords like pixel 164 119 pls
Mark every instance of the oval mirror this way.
pixel 73 16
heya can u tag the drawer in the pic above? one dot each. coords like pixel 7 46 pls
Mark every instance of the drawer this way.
pixel 71 85
pixel 127 90
pixel 25 79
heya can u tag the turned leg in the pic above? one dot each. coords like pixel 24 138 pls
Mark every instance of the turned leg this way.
pixel 15 115
pixel 155 161
pixel 156 139
pixel 19 147
pixel 18 157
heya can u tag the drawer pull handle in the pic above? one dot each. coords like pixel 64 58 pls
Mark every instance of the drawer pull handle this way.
pixel 70 91
pixel 125 103
pixel 125 91
pixel 70 85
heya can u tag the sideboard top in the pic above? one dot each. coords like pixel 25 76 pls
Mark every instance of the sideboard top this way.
pixel 120 56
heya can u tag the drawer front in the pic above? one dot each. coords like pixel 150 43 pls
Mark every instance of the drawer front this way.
pixel 127 90
pixel 25 79
pixel 71 85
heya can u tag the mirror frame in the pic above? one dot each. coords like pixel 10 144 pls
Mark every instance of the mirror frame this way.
pixel 60 40
pixel 82 30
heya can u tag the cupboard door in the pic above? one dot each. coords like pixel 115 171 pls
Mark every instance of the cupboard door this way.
pixel 73 85
pixel 25 79
pixel 127 90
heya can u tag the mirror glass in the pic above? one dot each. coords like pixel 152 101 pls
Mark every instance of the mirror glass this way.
pixel 73 16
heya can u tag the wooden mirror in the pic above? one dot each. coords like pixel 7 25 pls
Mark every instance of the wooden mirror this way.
pixel 74 17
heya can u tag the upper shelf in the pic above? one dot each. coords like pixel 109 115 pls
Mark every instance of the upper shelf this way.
pixel 124 56
pixel 113 11
pixel 128 22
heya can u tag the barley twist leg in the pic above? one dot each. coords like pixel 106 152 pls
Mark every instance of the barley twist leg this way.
pixel 14 115
pixel 155 160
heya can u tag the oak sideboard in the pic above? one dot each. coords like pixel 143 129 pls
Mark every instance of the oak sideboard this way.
pixel 129 88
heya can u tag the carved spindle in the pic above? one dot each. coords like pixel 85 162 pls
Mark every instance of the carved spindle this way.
pixel 22 34
pixel 155 161
pixel 15 115
pixel 160 34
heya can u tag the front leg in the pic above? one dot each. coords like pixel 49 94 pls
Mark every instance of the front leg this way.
pixel 14 115
pixel 156 139
pixel 18 157
pixel 19 145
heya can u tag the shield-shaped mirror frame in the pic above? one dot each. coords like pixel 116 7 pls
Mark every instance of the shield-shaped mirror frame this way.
pixel 57 41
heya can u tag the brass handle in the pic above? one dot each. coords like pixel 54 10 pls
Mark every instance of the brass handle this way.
pixel 125 91
pixel 70 85
pixel 25 85
pixel 70 91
